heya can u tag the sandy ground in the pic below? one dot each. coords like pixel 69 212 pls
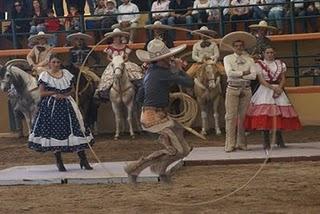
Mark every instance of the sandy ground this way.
pixel 280 188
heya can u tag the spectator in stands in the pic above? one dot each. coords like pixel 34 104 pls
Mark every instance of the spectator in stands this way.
pixel 72 21
pixel 259 11
pixel 109 21
pixel 143 5
pixel 128 20
pixel 214 14
pixel 201 16
pixel 58 6
pixel 181 14
pixel 239 13
pixel 158 5
pixel 302 9
pixel 38 18
pixel 92 6
pixel 52 24
pixel 276 14
pixel 38 57
pixel 79 3
pixel 21 26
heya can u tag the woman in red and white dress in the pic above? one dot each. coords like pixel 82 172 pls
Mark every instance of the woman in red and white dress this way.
pixel 270 105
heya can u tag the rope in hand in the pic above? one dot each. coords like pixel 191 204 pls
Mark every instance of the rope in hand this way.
pixel 184 119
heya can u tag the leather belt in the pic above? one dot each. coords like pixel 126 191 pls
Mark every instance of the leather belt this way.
pixel 238 84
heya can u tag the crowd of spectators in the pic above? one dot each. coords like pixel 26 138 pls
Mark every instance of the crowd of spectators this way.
pixel 33 16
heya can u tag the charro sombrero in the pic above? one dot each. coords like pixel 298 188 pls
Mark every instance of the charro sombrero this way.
pixel 20 63
pixel 227 41
pixel 157 50
pixel 79 35
pixel 156 25
pixel 205 30
pixel 262 25
pixel 116 32
pixel 40 35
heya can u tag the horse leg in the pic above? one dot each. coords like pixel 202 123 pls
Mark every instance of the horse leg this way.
pixel 204 118
pixel 216 102
pixel 129 118
pixel 117 116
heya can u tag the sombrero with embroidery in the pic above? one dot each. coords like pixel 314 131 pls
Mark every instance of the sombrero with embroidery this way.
pixel 227 41
pixel 262 25
pixel 20 63
pixel 79 35
pixel 157 50
pixel 116 32
pixel 205 30
pixel 40 35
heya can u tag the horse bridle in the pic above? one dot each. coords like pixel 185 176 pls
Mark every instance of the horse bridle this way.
pixel 114 70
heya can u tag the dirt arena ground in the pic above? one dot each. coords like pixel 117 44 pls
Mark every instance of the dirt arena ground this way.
pixel 280 188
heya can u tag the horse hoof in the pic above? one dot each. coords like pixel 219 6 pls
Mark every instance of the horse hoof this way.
pixel 133 137
pixel 218 133
pixel 116 138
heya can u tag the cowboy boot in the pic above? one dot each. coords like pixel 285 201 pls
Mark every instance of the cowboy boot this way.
pixel 279 139
pixel 266 140
pixel 60 164
pixel 83 161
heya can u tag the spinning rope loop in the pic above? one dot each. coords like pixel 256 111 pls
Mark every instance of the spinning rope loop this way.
pixel 185 118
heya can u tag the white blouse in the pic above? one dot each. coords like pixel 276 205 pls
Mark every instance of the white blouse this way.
pixel 163 5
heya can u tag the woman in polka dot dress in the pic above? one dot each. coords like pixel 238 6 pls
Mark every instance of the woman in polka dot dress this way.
pixel 58 125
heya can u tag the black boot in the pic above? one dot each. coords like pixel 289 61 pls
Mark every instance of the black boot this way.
pixel 59 162
pixel 83 161
pixel 279 139
pixel 266 140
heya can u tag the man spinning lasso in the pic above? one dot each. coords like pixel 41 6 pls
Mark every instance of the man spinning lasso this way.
pixel 154 94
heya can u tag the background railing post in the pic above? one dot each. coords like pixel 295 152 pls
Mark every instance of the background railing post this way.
pixel 221 21
pixel 292 17
pixel 82 24
pixel 14 35
pixel 296 63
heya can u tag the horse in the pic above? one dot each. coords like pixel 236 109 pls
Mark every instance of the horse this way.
pixel 22 89
pixel 87 86
pixel 122 92
pixel 207 90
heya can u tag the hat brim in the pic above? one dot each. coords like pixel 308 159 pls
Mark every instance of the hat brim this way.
pixel 113 34
pixel 34 38
pixel 83 36
pixel 20 63
pixel 158 26
pixel 227 41
pixel 267 27
pixel 206 32
pixel 144 56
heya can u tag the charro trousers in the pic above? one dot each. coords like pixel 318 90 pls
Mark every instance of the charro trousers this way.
pixel 237 101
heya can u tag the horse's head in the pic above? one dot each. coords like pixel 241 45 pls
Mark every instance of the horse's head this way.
pixel 5 78
pixel 118 66
pixel 208 74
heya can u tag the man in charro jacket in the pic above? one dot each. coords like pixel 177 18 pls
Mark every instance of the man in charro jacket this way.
pixel 240 70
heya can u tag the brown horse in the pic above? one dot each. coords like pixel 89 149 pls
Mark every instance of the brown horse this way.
pixel 207 89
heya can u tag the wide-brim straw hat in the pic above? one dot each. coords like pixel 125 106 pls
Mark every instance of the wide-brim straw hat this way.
pixel 205 30
pixel 156 25
pixel 40 35
pixel 116 32
pixel 79 35
pixel 157 50
pixel 262 25
pixel 227 41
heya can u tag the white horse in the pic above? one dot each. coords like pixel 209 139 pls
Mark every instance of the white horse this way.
pixel 24 90
pixel 207 89
pixel 122 92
